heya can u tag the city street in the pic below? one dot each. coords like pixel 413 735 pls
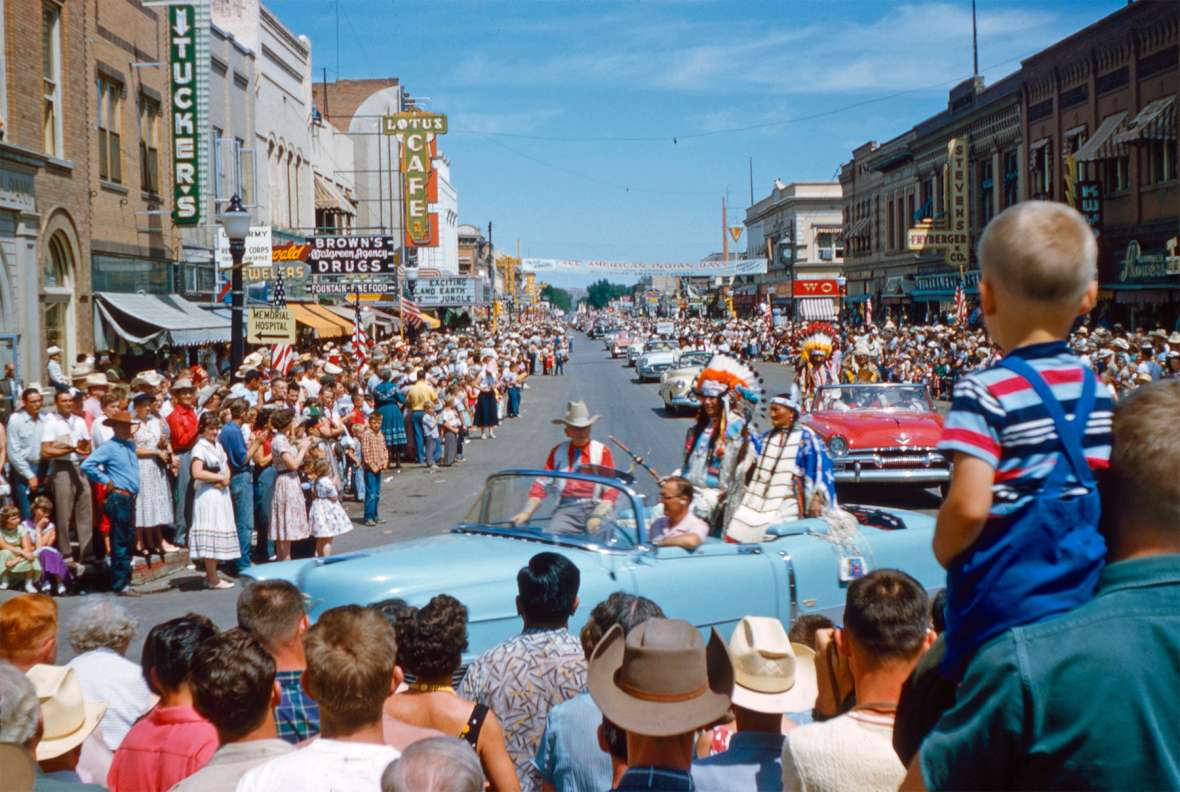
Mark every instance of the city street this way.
pixel 419 502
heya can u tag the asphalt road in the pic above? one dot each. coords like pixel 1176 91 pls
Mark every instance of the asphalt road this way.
pixel 419 502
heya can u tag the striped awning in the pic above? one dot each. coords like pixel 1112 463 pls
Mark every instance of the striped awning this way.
pixel 323 328
pixel 328 197
pixel 1156 121
pixel 154 320
pixel 1103 145
pixel 856 229
pixel 817 309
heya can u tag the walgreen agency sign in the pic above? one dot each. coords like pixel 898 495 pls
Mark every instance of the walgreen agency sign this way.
pixel 182 60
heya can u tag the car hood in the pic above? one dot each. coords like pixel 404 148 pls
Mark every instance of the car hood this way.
pixel 682 373
pixel 879 428
pixel 653 358
pixel 477 569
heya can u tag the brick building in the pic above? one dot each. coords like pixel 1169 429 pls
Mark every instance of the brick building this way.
pixel 44 183
pixel 1104 97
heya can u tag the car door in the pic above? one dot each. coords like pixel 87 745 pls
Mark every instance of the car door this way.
pixel 713 586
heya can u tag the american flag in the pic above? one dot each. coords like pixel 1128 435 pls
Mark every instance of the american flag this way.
pixel 410 311
pixel 960 305
pixel 360 343
pixel 282 356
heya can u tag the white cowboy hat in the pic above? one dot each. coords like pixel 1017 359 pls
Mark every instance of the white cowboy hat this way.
pixel 97 380
pixel 332 368
pixel 150 377
pixel 576 415
pixel 67 718
pixel 770 673
pixel 53 350
pixel 1174 338
pixel 1122 344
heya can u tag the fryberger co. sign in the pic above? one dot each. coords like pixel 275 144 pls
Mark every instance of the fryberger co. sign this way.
pixel 416 131
pixel 186 115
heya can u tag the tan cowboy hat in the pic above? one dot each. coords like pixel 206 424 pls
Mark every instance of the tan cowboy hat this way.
pixel 661 678
pixel 123 416
pixel 576 415
pixel 770 675
pixel 68 719
pixel 184 383
pixel 97 380
pixel 1122 344
pixel 151 378
pixel 1174 338
pixel 81 373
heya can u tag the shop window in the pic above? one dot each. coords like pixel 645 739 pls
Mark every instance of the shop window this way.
pixel 51 133
pixel 110 129
pixel 149 144
pixel 1159 161
pixel 57 295
pixel 1041 166
pixel 1011 178
pixel 987 190
pixel 891 226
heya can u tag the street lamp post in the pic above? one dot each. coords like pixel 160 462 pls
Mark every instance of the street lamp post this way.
pixel 236 221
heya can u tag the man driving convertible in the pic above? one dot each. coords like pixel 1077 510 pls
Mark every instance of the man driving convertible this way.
pixel 581 505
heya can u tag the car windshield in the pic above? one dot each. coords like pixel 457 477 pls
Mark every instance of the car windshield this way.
pixel 569 508
pixel 694 358
pixel 907 398
pixel 658 346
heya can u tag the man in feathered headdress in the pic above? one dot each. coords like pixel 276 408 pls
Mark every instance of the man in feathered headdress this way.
pixel 791 479
pixel 816 366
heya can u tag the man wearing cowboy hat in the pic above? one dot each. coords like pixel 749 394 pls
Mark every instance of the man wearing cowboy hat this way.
pixel 57 377
pixel 660 682
pixel 96 387
pixel 67 720
pixel 772 676
pixel 115 465
pixel 581 504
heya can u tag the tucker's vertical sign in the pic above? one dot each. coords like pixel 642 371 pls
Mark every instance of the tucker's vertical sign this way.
pixel 185 113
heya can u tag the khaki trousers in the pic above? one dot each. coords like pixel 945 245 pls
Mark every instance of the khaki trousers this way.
pixel 72 511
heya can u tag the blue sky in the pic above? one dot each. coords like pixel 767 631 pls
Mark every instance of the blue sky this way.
pixel 542 96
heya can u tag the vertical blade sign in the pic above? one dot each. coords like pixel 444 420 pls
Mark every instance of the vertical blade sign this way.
pixel 185 122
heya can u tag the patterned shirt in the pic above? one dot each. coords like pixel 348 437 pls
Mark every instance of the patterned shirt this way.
pixel 297 716
pixel 997 417
pixel 520 680
pixel 374 452
pixel 669 779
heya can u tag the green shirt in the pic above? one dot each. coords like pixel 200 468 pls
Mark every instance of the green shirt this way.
pixel 1085 700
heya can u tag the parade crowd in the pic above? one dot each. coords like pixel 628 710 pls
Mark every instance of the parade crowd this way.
pixel 1048 661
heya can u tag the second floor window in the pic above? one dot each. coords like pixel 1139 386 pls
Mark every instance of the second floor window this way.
pixel 51 79
pixel 987 189
pixel 1011 179
pixel 110 129
pixel 1042 170
pixel 149 144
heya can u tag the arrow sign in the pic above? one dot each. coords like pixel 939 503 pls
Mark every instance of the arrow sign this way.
pixel 270 325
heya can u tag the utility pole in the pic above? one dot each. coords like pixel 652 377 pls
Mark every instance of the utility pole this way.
pixel 492 272
pixel 751 181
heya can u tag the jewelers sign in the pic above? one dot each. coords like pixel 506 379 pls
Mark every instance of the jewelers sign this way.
pixel 185 113
pixel 447 292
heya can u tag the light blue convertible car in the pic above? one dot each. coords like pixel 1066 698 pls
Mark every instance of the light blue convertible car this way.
pixel 600 522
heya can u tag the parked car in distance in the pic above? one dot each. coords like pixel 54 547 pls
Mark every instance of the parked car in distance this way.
pixel 676 383
pixel 796 570
pixel 881 433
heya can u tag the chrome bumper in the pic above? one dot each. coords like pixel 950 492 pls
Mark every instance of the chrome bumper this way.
pixel 856 474
pixel 683 401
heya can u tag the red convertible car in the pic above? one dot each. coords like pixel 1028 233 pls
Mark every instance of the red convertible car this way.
pixel 884 433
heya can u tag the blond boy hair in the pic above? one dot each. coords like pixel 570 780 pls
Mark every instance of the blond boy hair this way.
pixel 1039 250
pixel 351 653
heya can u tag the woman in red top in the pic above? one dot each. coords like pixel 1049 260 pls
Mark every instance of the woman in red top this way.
pixel 172 741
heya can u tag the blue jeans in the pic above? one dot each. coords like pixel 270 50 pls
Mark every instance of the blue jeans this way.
pixel 120 509
pixel 433 450
pixel 181 500
pixel 241 492
pixel 419 434
pixel 264 490
pixel 358 481
pixel 514 401
pixel 20 495
pixel 372 493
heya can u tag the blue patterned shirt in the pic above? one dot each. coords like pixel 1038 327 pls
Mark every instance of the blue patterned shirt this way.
pixel 520 680
pixel 297 716
pixel 667 779
pixel 569 757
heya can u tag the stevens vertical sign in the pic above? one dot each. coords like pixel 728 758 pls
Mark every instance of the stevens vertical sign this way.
pixel 186 123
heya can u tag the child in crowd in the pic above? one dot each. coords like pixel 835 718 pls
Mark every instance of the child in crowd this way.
pixel 55 573
pixel 449 425
pixel 349 454
pixel 1018 531
pixel 374 458
pixel 327 517
pixel 431 433
pixel 18 557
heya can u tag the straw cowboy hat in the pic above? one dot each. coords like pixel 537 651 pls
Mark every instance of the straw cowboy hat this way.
pixel 184 383
pixel 68 719
pixel 1174 338
pixel 576 415
pixel 661 679
pixel 53 350
pixel 97 380
pixel 151 378
pixel 770 673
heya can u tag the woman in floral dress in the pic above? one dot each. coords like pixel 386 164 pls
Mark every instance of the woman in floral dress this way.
pixel 153 504
pixel 288 509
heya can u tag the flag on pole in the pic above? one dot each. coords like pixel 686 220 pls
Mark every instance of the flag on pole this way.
pixel 360 344
pixel 960 305
pixel 410 311
pixel 282 356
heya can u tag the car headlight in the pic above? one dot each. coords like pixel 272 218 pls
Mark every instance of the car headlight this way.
pixel 837 446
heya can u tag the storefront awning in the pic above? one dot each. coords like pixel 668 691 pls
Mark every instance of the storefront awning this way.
pixel 1156 121
pixel 346 325
pixel 1100 145
pixel 323 328
pixel 330 198
pixel 153 321
pixel 817 309
pixel 856 229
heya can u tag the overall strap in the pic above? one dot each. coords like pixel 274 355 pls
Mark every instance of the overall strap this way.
pixel 1072 434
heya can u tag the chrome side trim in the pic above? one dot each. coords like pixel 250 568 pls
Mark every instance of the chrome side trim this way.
pixel 793 584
